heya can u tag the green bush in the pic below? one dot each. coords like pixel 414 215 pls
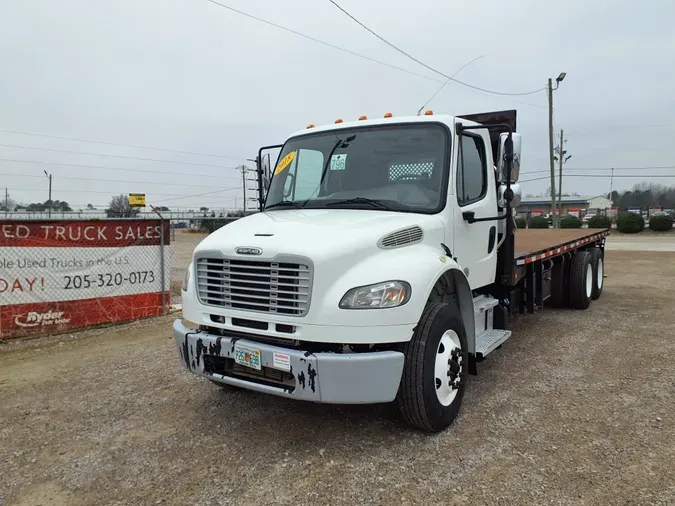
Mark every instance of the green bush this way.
pixel 661 223
pixel 520 222
pixel 538 222
pixel 630 223
pixel 599 221
pixel 569 221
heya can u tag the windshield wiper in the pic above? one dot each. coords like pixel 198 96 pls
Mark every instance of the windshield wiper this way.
pixel 285 203
pixel 361 200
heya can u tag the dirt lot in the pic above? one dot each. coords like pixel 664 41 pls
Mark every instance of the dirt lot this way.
pixel 576 408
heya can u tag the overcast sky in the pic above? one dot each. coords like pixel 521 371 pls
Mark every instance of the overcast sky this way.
pixel 188 75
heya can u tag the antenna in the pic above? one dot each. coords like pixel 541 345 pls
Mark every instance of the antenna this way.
pixel 419 112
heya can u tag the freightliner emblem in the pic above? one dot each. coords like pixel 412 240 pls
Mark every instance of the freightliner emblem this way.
pixel 248 251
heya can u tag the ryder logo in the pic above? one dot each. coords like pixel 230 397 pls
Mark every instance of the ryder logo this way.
pixel 34 319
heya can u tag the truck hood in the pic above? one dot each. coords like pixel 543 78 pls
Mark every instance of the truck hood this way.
pixel 317 233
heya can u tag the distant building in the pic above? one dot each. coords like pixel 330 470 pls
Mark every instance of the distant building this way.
pixel 572 204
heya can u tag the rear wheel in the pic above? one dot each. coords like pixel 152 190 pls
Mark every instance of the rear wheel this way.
pixel 597 261
pixel 434 371
pixel 581 280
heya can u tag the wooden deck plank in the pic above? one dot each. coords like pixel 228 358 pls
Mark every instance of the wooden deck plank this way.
pixel 533 240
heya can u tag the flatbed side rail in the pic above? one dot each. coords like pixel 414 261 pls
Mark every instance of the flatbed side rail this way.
pixel 529 258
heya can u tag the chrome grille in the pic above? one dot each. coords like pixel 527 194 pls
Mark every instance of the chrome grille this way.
pixel 252 285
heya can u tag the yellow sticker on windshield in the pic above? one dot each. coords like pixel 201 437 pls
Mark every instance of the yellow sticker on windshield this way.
pixel 284 163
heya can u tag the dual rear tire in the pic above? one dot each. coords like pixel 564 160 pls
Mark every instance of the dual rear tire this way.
pixel 579 283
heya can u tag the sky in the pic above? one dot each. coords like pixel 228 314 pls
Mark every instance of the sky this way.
pixel 188 76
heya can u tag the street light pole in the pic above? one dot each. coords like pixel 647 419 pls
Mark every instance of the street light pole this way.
pixel 50 193
pixel 551 89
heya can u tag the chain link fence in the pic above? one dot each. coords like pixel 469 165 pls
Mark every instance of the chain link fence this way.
pixel 66 273
pixel 186 234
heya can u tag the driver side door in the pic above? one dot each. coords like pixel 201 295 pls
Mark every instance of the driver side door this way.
pixel 475 192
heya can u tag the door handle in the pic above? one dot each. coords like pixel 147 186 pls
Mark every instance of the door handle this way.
pixel 491 239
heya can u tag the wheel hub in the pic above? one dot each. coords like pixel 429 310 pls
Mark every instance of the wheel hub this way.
pixel 589 281
pixel 449 367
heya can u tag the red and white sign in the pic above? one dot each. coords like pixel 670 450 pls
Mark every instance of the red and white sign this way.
pixel 59 275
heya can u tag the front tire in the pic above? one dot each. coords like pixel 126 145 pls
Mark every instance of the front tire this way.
pixel 434 372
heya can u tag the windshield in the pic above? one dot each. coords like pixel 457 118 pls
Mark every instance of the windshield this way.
pixel 396 168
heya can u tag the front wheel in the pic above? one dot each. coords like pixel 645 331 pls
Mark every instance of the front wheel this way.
pixel 434 371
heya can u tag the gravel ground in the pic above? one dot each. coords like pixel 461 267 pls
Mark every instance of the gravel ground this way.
pixel 576 408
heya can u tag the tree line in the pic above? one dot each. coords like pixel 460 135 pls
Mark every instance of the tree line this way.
pixel 645 195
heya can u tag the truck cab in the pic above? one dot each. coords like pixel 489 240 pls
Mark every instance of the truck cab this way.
pixel 370 274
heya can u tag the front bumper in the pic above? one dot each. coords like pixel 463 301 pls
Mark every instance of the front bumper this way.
pixel 333 378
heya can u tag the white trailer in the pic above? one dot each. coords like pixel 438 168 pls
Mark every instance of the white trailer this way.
pixel 383 266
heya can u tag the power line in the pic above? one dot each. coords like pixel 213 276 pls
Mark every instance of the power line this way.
pixel 657 167
pixel 643 176
pixel 348 51
pixel 446 82
pixel 89 191
pixel 199 194
pixel 450 78
pixel 113 156
pixel 319 41
pixel 114 181
pixel 120 144
pixel 173 196
pixel 162 172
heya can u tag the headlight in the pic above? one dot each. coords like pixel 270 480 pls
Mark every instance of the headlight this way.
pixel 380 295
pixel 186 278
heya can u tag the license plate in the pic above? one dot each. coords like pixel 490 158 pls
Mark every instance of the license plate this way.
pixel 247 356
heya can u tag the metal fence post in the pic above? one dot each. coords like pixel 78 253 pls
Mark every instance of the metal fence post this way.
pixel 162 276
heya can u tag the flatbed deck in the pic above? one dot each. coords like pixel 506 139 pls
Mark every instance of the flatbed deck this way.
pixel 535 244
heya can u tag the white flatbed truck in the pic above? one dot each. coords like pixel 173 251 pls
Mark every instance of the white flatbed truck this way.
pixel 384 264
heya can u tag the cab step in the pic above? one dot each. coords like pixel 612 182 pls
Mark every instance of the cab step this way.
pixel 490 340
pixel 483 303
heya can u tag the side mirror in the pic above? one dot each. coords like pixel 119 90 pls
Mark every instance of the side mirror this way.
pixel 514 195
pixel 266 167
pixel 501 162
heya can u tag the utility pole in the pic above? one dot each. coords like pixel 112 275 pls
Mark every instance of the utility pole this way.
pixel 611 184
pixel 6 201
pixel 244 170
pixel 561 158
pixel 554 219
pixel 50 192
pixel 551 89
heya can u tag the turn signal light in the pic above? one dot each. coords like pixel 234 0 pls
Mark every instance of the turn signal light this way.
pixel 361 118
pixel 428 113
pixel 388 115
pixel 338 121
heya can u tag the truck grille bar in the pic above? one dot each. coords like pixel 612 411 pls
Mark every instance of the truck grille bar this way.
pixel 271 287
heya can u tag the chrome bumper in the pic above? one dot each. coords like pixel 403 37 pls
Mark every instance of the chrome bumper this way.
pixel 333 378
